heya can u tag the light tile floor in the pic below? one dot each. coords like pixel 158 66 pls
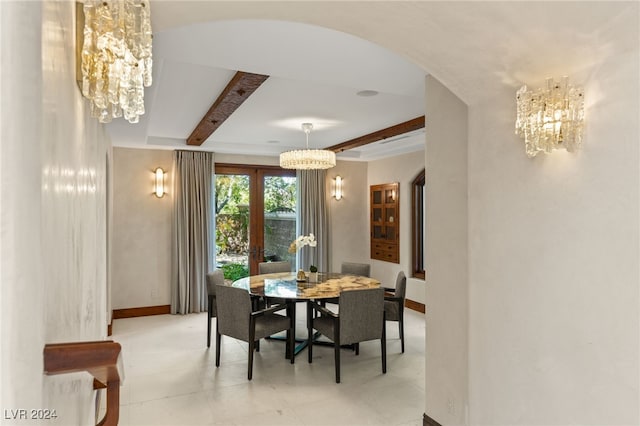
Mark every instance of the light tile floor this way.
pixel 171 378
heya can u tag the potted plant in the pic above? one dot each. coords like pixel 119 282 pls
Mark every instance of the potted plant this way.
pixel 313 274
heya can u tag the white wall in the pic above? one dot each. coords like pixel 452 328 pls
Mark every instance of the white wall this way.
pixel 402 169
pixel 53 211
pixel 141 256
pixel 446 245
pixel 554 293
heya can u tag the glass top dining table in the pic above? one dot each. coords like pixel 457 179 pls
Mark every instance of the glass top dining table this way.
pixel 284 285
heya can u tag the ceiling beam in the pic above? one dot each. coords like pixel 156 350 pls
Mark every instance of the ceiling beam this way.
pixel 241 86
pixel 389 132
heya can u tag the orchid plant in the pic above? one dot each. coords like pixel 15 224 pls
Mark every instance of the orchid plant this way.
pixel 301 241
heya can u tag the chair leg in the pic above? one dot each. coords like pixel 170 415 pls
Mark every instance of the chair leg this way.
pixel 383 343
pixel 336 344
pixel 251 349
pixel 218 339
pixel 252 344
pixel 401 328
pixel 356 347
pixel 209 326
pixel 257 345
pixel 310 316
pixel 337 360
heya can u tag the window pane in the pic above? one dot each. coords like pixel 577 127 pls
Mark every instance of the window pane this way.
pixel 279 218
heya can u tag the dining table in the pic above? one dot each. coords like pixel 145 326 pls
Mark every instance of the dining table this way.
pixel 285 285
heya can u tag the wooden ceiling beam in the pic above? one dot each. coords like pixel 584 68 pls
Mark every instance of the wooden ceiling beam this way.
pixel 241 86
pixel 389 132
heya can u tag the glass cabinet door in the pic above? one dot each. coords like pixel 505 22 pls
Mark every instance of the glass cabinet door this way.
pixel 385 224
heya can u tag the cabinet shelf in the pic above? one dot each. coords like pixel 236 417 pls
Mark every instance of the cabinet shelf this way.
pixel 384 222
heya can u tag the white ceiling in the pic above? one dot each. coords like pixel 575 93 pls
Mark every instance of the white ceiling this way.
pixel 315 74
pixel 474 48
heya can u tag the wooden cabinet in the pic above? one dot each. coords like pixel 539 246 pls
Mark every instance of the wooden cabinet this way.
pixel 385 222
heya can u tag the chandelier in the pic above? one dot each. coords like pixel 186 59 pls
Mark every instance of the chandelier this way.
pixel 116 57
pixel 308 159
pixel 550 118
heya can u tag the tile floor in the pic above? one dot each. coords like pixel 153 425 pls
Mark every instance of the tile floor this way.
pixel 171 378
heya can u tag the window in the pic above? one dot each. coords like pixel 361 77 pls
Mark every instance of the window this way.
pixel 255 216
pixel 417 225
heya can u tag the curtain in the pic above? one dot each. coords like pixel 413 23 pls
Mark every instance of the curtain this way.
pixel 192 230
pixel 313 218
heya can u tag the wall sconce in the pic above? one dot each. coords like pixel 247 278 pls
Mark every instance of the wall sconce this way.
pixel 114 59
pixel 550 118
pixel 158 187
pixel 337 188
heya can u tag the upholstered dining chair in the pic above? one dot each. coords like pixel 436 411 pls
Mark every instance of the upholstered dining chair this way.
pixel 394 305
pixel 273 267
pixel 361 318
pixel 213 279
pixel 352 268
pixel 237 319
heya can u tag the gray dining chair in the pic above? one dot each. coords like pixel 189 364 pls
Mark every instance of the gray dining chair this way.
pixel 394 305
pixel 352 268
pixel 361 318
pixel 237 319
pixel 273 267
pixel 213 279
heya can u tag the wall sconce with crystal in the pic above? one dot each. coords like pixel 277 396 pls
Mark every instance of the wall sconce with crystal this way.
pixel 158 183
pixel 550 118
pixel 115 38
pixel 337 188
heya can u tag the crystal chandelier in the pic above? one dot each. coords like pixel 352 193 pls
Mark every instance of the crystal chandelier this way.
pixel 550 118
pixel 308 159
pixel 116 57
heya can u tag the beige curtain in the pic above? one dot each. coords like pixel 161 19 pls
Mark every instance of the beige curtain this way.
pixel 192 230
pixel 313 218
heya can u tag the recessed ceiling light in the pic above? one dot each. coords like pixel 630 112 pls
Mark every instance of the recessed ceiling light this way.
pixel 273 141
pixel 367 93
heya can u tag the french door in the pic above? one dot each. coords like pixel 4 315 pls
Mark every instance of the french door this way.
pixel 255 216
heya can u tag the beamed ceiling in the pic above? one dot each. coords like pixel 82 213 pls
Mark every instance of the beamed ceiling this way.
pixel 245 87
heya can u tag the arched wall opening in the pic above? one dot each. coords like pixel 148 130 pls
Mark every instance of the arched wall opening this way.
pixel 446 355
pixel 529 286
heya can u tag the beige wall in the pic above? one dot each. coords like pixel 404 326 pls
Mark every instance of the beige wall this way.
pixel 447 290
pixel 402 169
pixel 554 251
pixel 141 255
pixel 53 218
pixel 141 259
pixel 350 215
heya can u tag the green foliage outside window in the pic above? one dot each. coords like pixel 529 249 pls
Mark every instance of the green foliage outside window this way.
pixel 235 271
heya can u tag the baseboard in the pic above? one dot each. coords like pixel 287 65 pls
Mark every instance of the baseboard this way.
pixel 415 306
pixel 141 312
pixel 428 421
